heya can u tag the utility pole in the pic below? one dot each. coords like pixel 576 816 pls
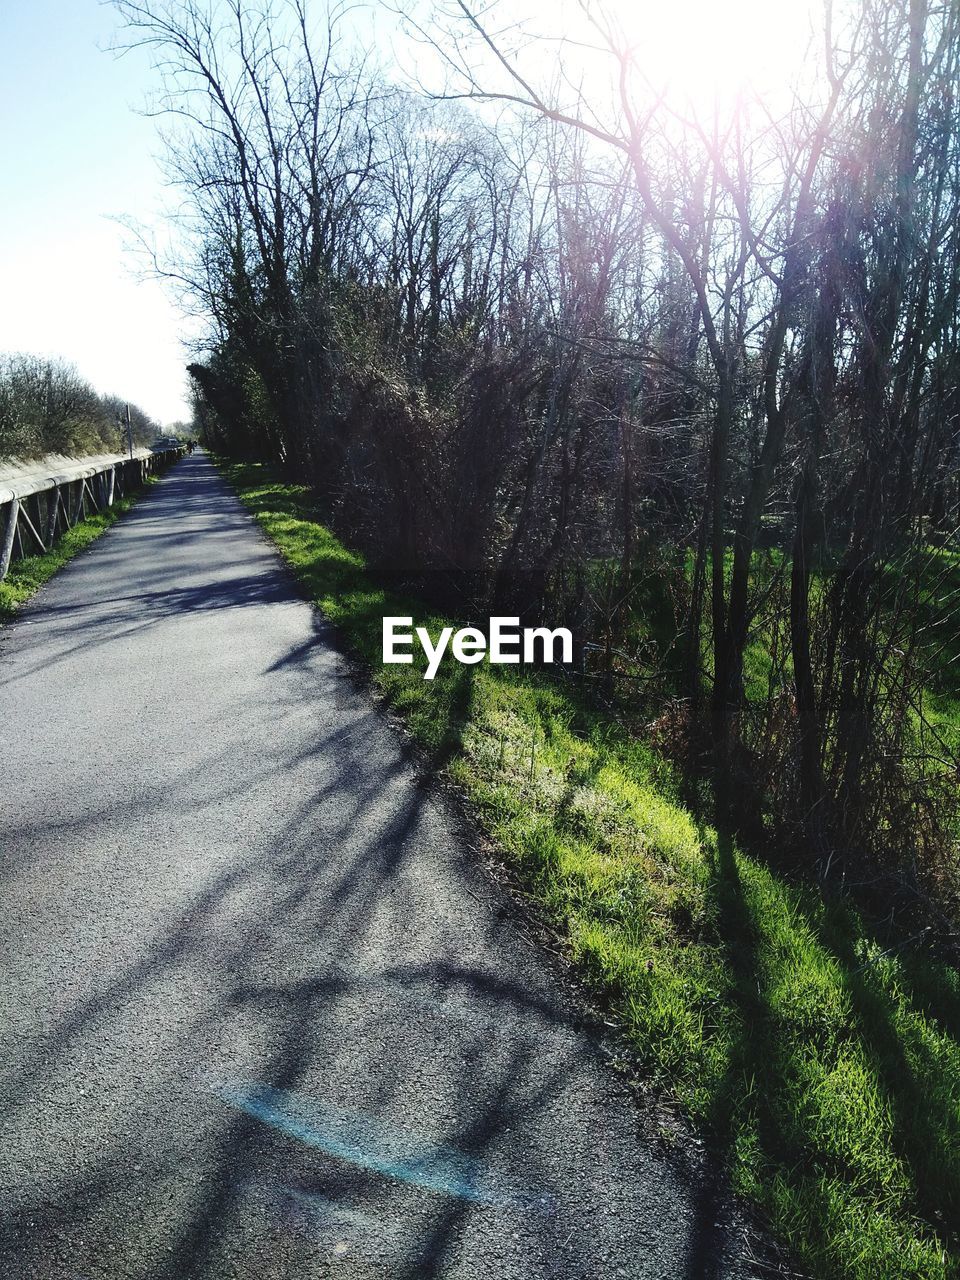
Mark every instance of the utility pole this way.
pixel 129 433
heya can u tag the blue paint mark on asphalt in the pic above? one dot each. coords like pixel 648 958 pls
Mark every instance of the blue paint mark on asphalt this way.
pixel 366 1142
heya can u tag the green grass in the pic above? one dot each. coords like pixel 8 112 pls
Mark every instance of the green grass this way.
pixel 825 1066
pixel 940 625
pixel 27 576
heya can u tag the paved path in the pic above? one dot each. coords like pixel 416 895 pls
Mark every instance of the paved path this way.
pixel 262 1013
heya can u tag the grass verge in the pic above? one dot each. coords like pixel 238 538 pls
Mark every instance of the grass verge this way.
pixel 825 1065
pixel 27 576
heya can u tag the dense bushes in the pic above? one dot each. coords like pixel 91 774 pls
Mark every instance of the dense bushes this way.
pixel 46 407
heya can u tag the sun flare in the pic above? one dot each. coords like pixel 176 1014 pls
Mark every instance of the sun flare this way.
pixel 697 57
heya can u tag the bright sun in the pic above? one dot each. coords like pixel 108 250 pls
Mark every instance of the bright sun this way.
pixel 698 56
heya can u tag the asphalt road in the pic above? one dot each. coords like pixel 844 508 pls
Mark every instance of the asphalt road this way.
pixel 263 1013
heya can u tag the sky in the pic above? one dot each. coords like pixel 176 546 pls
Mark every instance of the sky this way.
pixel 74 154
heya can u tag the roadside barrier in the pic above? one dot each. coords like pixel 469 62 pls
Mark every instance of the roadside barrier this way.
pixel 36 507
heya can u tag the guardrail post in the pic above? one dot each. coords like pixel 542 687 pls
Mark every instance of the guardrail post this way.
pixel 6 550
pixel 53 514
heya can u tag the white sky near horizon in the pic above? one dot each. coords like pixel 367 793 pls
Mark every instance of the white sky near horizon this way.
pixel 75 155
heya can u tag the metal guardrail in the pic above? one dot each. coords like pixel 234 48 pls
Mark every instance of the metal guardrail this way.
pixel 37 506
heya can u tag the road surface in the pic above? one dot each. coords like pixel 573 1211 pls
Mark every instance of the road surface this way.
pixel 262 1012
